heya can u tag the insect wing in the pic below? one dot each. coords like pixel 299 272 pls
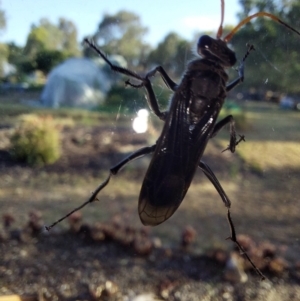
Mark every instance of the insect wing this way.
pixel 174 163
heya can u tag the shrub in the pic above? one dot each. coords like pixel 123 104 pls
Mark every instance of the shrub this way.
pixel 36 140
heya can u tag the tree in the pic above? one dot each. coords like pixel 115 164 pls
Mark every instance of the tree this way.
pixel 172 53
pixel 123 34
pixel 252 6
pixel 43 36
pixel 4 51
pixel 48 36
pixel 69 36
pixel 47 45
pixel 46 60
pixel 43 60
pixel 276 61
pixel 15 53
pixel 3 57
pixel 2 20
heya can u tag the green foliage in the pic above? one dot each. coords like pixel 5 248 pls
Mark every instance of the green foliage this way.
pixel 36 141
pixel 48 36
pixel 69 37
pixel 3 56
pixel 172 53
pixel 37 40
pixel 46 60
pixel 15 53
pixel 124 97
pixel 123 34
pixel 275 64
pixel 2 20
pixel 47 45
pixel 130 99
pixel 3 47
pixel 26 66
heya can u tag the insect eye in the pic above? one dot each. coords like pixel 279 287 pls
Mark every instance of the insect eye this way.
pixel 204 42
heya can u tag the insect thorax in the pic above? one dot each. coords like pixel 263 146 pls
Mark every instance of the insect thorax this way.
pixel 203 87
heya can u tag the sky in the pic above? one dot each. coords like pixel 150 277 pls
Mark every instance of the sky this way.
pixel 161 17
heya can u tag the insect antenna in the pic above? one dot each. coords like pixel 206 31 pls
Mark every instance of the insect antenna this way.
pixel 220 30
pixel 259 14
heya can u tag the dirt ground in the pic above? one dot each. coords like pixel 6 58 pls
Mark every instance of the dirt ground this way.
pixel 70 265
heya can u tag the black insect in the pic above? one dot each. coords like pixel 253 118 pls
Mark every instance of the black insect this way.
pixel 189 124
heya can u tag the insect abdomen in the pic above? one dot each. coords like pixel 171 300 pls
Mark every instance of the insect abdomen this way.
pixel 157 203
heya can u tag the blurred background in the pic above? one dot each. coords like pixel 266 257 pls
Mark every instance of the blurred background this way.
pixel 65 119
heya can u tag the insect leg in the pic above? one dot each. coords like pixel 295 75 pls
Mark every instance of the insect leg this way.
pixel 233 238
pixel 237 81
pixel 152 100
pixel 113 171
pixel 211 176
pixel 229 119
pixel 240 71
pixel 137 154
pixel 166 78
pixel 233 141
pixel 145 81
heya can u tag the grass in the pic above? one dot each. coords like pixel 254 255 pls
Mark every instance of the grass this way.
pixel 9 113
pixel 272 138
pixel 271 155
